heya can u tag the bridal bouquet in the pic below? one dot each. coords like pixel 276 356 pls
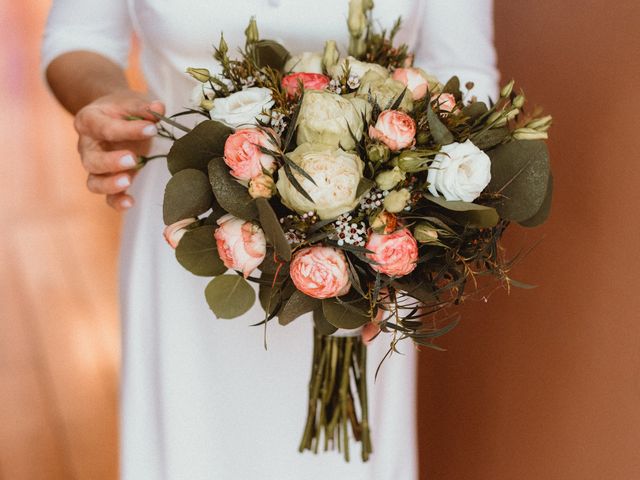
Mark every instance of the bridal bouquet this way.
pixel 360 189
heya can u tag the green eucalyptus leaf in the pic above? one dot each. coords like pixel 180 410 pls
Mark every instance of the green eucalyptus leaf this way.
pixel 232 197
pixel 520 173
pixel 490 138
pixel 272 229
pixel 229 296
pixel 453 87
pixel 269 53
pixel 187 194
pixel 364 186
pixel 542 215
pixel 467 213
pixel 420 290
pixel 439 131
pixel 352 312
pixel 320 322
pixel 196 148
pixel 297 305
pixel 198 253
pixel 475 110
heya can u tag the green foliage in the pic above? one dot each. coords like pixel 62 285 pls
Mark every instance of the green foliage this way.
pixel 273 229
pixel 187 194
pixel 439 131
pixel 347 312
pixel 198 147
pixel 198 253
pixel 229 296
pixel 545 209
pixel 520 175
pixel 231 196
pixel 297 305
pixel 469 214
pixel 269 53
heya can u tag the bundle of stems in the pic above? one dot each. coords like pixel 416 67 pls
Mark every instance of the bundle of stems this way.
pixel 338 396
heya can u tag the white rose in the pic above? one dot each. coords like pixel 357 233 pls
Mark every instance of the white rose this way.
pixel 243 108
pixel 357 68
pixel 385 91
pixel 460 172
pixel 326 118
pixel 306 62
pixel 336 174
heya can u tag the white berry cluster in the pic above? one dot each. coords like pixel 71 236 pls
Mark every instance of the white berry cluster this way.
pixel 334 86
pixel 350 232
pixel 353 82
pixel 278 122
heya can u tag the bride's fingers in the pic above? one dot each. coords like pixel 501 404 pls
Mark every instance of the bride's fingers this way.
pixel 97 161
pixel 120 201
pixel 109 184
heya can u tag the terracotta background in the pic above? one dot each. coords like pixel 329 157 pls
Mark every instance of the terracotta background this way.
pixel 545 384
pixel 538 385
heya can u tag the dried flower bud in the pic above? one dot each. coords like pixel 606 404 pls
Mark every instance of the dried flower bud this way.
pixel 425 233
pixel 507 89
pixel 383 222
pixel 252 31
pixel 200 74
pixel 410 161
pixel 206 104
pixel 388 179
pixel 422 138
pixel 397 200
pixel 223 48
pixel 525 133
pixel 541 124
pixel 518 102
pixel 331 55
pixel 497 119
pixel 262 186
pixel 378 153
pixel 357 20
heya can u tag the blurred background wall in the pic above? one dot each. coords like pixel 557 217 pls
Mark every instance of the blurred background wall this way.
pixel 538 384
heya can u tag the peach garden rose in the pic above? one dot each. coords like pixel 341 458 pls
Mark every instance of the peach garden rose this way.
pixel 241 244
pixel 320 272
pixel 243 156
pixel 417 81
pixel 395 129
pixel 310 81
pixel 395 254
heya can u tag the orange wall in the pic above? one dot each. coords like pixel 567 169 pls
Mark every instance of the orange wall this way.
pixel 545 384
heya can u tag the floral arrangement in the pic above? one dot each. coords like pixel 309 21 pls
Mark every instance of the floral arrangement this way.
pixel 360 189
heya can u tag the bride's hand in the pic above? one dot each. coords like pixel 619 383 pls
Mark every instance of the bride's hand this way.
pixel 110 142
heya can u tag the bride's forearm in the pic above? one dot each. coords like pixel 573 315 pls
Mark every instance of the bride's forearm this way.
pixel 78 78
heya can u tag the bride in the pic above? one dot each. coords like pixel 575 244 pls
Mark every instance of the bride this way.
pixel 200 398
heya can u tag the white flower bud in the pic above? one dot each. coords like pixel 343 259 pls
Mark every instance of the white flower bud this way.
pixel 397 200
pixel 388 179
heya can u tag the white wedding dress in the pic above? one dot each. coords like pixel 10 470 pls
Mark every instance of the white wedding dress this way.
pixel 201 398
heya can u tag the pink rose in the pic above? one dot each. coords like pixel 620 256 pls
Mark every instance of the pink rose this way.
pixel 241 244
pixel 320 272
pixel 243 156
pixel 395 129
pixel 445 102
pixel 173 233
pixel 310 81
pixel 395 254
pixel 414 79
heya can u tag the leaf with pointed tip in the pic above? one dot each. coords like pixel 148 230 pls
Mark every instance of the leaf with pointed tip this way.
pixel 348 314
pixel 439 131
pixel 466 213
pixel 320 322
pixel 297 305
pixel 296 184
pixel 232 197
pixel 187 194
pixel 490 138
pixel 272 229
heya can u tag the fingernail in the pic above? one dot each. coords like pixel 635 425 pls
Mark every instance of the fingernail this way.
pixel 149 130
pixel 126 203
pixel 123 182
pixel 127 161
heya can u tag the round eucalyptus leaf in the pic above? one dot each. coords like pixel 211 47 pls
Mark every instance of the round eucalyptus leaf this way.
pixel 198 253
pixel 347 314
pixel 229 296
pixel 321 324
pixel 520 173
pixel 187 194
pixel 297 305
pixel 270 53
pixel 232 197
pixel 542 215
pixel 196 148
pixel 467 213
